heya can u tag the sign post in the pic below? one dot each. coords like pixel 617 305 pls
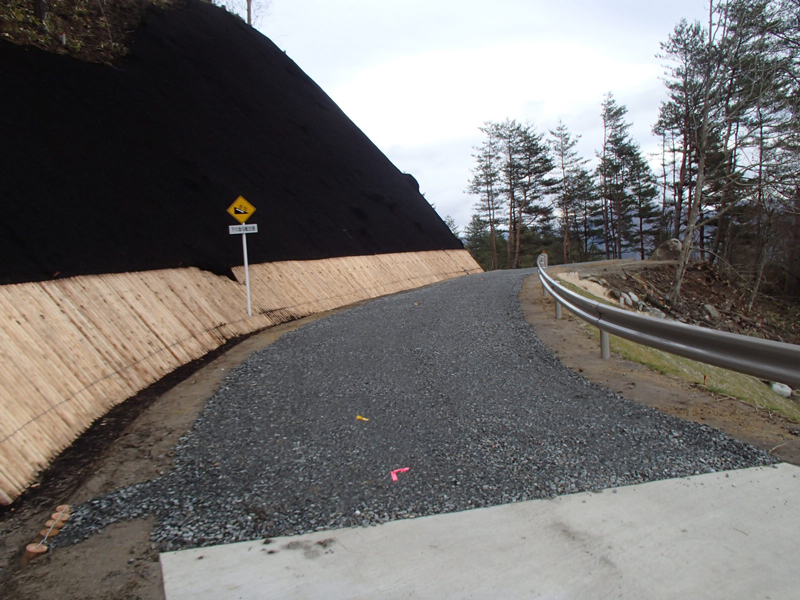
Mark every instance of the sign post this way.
pixel 241 210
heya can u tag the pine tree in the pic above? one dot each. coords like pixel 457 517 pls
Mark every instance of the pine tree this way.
pixel 643 191
pixel 536 166
pixel 569 168
pixel 480 244
pixel 513 168
pixel 588 217
pixel 486 184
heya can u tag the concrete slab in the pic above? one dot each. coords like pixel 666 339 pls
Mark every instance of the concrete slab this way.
pixel 722 535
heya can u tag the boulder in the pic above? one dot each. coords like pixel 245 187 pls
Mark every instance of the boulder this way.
pixel 780 388
pixel 654 312
pixel 711 311
pixel 669 250
pixel 634 298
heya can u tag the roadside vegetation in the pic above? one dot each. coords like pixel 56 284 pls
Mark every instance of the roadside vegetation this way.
pixel 92 30
pixel 714 379
pixel 726 181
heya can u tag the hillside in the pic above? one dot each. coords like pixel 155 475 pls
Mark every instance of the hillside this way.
pixel 131 166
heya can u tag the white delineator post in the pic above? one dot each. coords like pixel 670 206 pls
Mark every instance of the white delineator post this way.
pixel 243 230
pixel 246 274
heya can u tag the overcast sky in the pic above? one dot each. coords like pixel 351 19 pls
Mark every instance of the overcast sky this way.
pixel 419 77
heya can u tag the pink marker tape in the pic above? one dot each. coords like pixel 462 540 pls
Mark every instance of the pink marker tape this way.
pixel 396 471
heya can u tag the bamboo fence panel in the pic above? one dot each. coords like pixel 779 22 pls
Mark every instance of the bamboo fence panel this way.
pixel 97 351
pixel 179 299
pixel 71 349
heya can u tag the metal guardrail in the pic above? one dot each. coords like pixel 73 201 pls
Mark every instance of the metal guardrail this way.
pixel 774 361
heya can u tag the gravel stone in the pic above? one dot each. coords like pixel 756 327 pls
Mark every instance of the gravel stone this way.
pixel 456 387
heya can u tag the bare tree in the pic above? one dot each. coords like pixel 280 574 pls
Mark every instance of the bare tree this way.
pixel 255 10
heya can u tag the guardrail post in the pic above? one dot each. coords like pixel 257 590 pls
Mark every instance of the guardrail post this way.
pixel 541 262
pixel 605 350
pixel 558 309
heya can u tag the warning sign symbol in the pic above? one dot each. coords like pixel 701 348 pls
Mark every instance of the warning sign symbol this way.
pixel 241 210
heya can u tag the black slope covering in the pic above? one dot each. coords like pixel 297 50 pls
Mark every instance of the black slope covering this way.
pixel 131 167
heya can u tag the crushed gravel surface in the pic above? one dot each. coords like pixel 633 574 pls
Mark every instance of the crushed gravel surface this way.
pixel 457 388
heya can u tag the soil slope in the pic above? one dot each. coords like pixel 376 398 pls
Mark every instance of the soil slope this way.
pixel 131 167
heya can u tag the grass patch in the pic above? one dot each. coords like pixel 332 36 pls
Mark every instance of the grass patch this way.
pixel 720 381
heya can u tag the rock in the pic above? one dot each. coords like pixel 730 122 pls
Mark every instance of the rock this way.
pixel 669 250
pixel 594 280
pixel 654 312
pixel 624 300
pixel 603 282
pixel 583 276
pixel 782 389
pixel 614 293
pixel 711 311
pixel 634 298
pixel 655 301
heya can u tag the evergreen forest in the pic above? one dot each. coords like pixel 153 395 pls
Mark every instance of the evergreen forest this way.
pixel 726 181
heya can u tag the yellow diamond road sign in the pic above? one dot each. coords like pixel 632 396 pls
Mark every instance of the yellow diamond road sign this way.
pixel 241 210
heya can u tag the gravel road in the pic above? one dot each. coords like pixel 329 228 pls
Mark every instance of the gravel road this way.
pixel 457 389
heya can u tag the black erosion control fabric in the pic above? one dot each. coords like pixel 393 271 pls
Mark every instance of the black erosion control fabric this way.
pixel 131 167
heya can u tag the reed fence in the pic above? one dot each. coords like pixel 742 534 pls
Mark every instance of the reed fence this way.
pixel 71 349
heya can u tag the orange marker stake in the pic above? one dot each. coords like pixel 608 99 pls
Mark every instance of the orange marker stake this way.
pixel 49 532
pixel 32 551
pixel 360 418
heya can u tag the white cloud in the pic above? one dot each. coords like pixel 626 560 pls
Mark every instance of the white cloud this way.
pixel 441 95
pixel 420 76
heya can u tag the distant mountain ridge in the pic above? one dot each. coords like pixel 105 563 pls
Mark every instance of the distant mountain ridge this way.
pixel 131 167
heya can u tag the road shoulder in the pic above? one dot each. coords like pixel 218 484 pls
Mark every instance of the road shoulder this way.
pixel 569 339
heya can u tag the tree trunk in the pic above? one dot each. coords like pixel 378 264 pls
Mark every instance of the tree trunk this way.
pixel 493 233
pixel 604 163
pixel 512 226
pixel 605 227
pixel 759 274
pixel 688 236
pixel 40 10
pixel 517 237
pixel 793 262
pixel 761 228
pixel 641 238
pixel 662 222
pixel 565 200
pixel 686 154
pixel 700 149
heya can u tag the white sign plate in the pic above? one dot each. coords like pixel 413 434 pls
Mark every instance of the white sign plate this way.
pixel 234 229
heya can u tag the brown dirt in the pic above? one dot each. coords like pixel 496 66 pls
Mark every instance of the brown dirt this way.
pixel 137 442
